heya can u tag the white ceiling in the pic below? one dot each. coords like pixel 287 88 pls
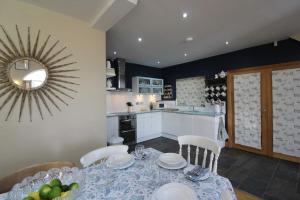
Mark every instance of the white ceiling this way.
pixel 244 23
pixel 100 14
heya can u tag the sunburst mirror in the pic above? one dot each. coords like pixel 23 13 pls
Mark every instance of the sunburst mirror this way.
pixel 35 74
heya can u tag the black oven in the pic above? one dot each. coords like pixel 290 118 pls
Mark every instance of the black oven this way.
pixel 127 128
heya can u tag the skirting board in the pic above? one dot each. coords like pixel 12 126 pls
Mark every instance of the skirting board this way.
pixel 172 137
pixel 142 139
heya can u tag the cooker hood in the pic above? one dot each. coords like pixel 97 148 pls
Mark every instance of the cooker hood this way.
pixel 120 67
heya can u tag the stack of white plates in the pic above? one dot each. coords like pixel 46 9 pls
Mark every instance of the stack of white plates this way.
pixel 171 161
pixel 120 161
pixel 174 191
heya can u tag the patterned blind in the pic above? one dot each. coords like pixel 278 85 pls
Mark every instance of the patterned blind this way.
pixel 190 91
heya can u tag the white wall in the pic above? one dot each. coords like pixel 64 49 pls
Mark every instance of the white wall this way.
pixel 80 127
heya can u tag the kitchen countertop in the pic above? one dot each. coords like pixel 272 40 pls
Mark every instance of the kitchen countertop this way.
pixel 208 114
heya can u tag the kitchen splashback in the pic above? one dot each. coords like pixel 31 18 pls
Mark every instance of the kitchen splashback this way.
pixel 190 91
pixel 116 101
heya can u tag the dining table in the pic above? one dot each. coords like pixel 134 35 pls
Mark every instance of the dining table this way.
pixel 142 179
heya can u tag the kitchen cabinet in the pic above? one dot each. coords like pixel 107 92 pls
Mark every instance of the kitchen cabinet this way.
pixel 156 118
pixel 146 85
pixel 204 126
pixel 148 126
pixel 186 122
pixel 178 124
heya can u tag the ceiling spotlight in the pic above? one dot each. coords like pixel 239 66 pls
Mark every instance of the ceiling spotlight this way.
pixel 184 15
pixel 158 62
pixel 185 54
pixel 189 39
pixel 227 43
pixel 115 53
pixel 140 39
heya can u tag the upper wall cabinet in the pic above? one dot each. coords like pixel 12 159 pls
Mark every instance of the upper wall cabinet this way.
pixel 146 85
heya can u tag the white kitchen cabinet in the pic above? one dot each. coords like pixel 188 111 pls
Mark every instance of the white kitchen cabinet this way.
pixel 204 126
pixel 178 124
pixel 171 124
pixel 146 85
pixel 175 124
pixel 148 126
pixel 112 127
pixel 156 119
pixel 186 124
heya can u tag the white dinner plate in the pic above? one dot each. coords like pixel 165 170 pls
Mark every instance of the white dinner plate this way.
pixel 171 159
pixel 174 191
pixel 120 161
pixel 166 166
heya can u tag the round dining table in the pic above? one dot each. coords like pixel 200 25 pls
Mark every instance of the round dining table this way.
pixel 142 179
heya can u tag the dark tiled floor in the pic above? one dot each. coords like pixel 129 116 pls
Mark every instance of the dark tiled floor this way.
pixel 268 178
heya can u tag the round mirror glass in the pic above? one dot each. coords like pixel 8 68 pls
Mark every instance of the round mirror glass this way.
pixel 28 74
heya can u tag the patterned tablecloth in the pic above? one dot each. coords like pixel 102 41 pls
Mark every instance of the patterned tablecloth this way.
pixel 139 181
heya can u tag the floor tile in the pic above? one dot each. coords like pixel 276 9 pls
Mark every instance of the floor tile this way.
pixel 281 189
pixel 238 175
pixel 287 171
pixel 254 186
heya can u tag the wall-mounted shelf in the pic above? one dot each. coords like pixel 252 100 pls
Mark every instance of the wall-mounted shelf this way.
pixel 216 90
pixel 110 72
pixel 168 93
pixel 111 89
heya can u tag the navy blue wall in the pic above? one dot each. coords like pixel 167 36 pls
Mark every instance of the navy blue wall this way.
pixel 287 50
pixel 140 70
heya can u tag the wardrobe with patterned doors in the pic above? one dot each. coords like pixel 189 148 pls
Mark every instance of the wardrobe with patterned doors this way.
pixel 264 110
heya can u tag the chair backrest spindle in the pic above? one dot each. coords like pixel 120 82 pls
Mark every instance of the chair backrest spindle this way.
pixel 211 161
pixel 189 154
pixel 204 158
pixel 197 155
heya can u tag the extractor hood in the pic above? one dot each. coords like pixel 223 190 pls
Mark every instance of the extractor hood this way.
pixel 120 66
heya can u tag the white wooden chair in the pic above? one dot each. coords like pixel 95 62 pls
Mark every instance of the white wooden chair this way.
pixel 99 154
pixel 206 144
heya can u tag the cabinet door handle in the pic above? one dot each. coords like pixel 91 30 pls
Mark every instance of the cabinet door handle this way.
pixel 128 131
pixel 126 120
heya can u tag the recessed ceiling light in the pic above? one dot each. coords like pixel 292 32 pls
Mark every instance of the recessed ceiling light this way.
pixel 158 62
pixel 115 53
pixel 185 54
pixel 184 15
pixel 140 39
pixel 189 39
pixel 227 43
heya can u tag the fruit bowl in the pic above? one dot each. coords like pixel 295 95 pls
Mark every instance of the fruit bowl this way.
pixel 32 184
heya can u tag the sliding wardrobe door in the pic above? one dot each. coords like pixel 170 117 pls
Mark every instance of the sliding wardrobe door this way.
pixel 286 112
pixel 247 110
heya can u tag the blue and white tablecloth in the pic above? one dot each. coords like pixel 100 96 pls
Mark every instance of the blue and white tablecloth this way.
pixel 139 181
